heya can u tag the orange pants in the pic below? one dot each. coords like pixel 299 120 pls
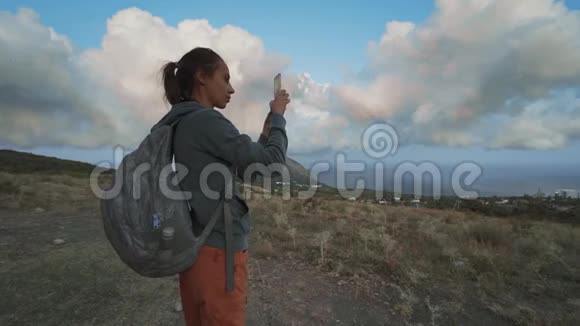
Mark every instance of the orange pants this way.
pixel 203 290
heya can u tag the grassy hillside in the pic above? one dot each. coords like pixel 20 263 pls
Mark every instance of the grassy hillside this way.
pixel 424 266
pixel 523 272
pixel 30 180
pixel 411 265
pixel 20 162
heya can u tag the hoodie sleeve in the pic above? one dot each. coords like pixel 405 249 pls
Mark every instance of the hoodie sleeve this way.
pixel 221 138
pixel 263 140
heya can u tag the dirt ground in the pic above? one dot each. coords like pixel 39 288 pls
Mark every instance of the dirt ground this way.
pixel 82 282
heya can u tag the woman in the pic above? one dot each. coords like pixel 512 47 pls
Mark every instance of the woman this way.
pixel 194 86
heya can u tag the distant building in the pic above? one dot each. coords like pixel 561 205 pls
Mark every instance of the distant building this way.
pixel 567 193
pixel 539 194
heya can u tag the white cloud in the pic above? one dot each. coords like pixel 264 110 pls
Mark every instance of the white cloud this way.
pixel 545 124
pixel 440 81
pixel 44 97
pixel 137 44
pixel 113 94
pixel 492 73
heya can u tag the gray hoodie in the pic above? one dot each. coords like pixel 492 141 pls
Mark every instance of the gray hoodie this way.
pixel 208 137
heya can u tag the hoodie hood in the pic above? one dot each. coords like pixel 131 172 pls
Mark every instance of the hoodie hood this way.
pixel 177 112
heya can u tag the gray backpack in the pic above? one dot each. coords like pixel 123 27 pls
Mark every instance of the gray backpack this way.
pixel 150 231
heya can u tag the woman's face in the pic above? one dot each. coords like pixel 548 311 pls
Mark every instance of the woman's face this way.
pixel 219 88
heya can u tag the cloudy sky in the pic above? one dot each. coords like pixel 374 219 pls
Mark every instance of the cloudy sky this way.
pixel 481 80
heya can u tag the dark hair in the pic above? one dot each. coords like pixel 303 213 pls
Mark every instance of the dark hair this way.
pixel 179 83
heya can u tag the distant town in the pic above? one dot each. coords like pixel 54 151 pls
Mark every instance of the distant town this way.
pixel 562 205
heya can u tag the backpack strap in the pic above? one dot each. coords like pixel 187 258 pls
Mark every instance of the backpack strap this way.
pixel 208 228
pixel 230 277
pixel 173 126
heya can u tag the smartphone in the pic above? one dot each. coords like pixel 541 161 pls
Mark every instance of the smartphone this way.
pixel 277 84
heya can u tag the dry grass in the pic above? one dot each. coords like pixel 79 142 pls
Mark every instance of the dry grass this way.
pixel 263 249
pixel 84 284
pixel 523 271
pixel 501 261
pixel 45 191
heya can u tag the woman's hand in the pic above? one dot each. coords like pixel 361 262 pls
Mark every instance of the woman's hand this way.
pixel 278 104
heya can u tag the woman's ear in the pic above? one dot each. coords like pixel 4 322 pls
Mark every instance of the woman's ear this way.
pixel 201 78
